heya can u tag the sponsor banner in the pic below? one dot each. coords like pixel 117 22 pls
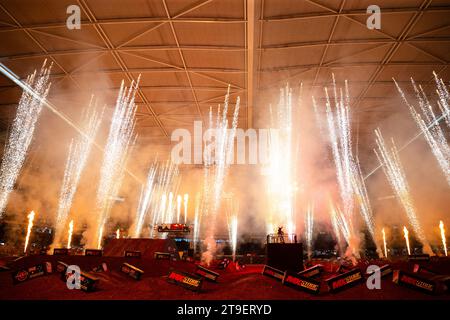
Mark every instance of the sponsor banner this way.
pixel 60 252
pixel 385 270
pixel 301 283
pixel 93 252
pixel 419 257
pixel 132 254
pixel 206 273
pixel 28 273
pixel 311 272
pixel 186 280
pixel 344 280
pixel 162 256
pixel 413 281
pixel 132 271
pixel 273 273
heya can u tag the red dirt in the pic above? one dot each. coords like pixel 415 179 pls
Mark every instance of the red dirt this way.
pixel 232 284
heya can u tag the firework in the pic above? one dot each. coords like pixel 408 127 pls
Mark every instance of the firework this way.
pixel 29 228
pixel 76 161
pixel 69 237
pixel 429 126
pixel 406 235
pixel 444 242
pixel 22 130
pixel 119 139
pixel 234 230
pixel 118 233
pixel 186 199
pixel 348 170
pixel 397 179
pixel 384 243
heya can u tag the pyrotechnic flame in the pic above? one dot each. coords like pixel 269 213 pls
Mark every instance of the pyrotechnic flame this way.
pixel 100 238
pixel 384 243
pixel 444 242
pixel 178 208
pixel 30 226
pixel 69 238
pixel 118 233
pixel 234 228
pixel 186 199
pixel 21 131
pixel 406 235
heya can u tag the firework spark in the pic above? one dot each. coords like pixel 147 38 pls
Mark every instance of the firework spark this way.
pixel 444 242
pixel 29 228
pixel 76 161
pixel 118 233
pixel 395 173
pixel 119 139
pixel 69 237
pixel 22 130
pixel 406 235
pixel 178 208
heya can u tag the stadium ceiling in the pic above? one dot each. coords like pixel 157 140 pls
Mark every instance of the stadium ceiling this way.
pixel 188 52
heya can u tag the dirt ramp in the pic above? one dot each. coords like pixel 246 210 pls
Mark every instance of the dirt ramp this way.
pixel 147 247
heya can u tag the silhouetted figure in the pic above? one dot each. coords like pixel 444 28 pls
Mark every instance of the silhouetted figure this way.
pixel 280 235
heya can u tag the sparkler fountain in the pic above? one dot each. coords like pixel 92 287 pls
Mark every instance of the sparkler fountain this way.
pixel 224 143
pixel 119 139
pixel 144 201
pixel 395 173
pixel 348 171
pixel 79 151
pixel 309 229
pixel 279 172
pixel 185 203
pixel 22 130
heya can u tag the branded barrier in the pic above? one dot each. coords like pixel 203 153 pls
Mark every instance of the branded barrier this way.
pixel 29 273
pixel 162 255
pixel 206 273
pixel 132 271
pixel 301 283
pixel 186 280
pixel 93 252
pixel 132 254
pixel 60 252
pixel 273 273
pixel 312 271
pixel 421 269
pixel 344 280
pixel 419 257
pixel 384 270
pixel 414 281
